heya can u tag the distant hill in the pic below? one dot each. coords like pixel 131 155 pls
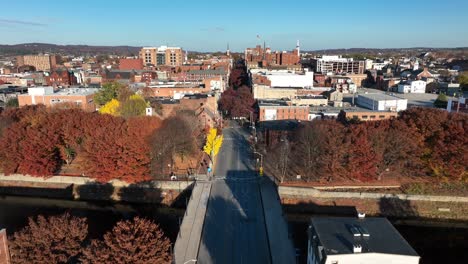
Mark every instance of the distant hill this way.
pixel 35 48
pixel 415 50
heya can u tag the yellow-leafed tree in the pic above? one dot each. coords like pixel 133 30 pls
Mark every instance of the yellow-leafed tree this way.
pixel 213 143
pixel 112 108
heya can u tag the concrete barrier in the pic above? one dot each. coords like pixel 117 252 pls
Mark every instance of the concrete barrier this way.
pixel 162 185
pixel 304 192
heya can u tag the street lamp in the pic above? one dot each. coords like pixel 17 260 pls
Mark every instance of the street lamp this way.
pixel 261 160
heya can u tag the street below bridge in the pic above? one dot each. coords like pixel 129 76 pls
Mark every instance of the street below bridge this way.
pixel 234 230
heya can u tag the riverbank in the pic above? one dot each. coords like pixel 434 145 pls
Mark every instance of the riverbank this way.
pixel 84 188
pixel 311 200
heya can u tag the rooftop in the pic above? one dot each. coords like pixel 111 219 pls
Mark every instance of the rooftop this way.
pixel 380 96
pixel 77 91
pixel 339 234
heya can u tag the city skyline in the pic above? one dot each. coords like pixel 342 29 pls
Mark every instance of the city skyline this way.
pixel 211 25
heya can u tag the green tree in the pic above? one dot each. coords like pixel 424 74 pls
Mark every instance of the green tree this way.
pixel 135 105
pixel 109 91
pixel 463 80
pixel 13 102
pixel 441 101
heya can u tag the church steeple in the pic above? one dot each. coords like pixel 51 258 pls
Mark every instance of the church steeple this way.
pixel 298 48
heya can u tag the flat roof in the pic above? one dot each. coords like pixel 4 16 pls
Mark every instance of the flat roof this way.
pixel 76 91
pixel 347 109
pixel 336 236
pixel 380 96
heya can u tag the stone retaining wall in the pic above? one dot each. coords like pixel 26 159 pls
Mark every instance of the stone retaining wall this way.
pixel 304 192
pixel 307 201
pixel 84 188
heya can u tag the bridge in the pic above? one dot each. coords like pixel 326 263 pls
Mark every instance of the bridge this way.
pixel 235 216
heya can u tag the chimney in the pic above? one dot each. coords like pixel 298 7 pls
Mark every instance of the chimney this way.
pixel 357 248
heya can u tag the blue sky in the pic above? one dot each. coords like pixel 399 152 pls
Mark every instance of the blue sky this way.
pixel 209 25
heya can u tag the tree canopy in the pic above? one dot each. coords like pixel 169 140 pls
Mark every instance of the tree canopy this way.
pixel 54 239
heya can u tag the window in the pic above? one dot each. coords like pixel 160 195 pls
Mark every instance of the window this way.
pixel 381 116
pixel 372 117
pixel 364 117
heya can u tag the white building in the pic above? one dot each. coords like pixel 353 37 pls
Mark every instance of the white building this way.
pixel 284 78
pixel 417 86
pixel 349 240
pixel 382 102
pixel 331 64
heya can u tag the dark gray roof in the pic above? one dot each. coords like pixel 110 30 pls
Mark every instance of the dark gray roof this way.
pixel 335 234
pixel 213 72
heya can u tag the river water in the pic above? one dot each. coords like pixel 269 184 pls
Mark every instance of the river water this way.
pixel 15 210
pixel 434 244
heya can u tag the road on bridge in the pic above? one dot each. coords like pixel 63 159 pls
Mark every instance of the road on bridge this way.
pixel 234 230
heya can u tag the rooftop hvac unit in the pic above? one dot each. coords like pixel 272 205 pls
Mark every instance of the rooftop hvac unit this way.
pixel 357 248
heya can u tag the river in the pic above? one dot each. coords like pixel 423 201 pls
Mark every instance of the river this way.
pixel 434 244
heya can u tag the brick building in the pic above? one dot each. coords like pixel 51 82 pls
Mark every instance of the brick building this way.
pixel 61 77
pixel 130 64
pixel 79 97
pixel 370 115
pixel 264 57
pixel 163 55
pixel 279 110
pixel 40 62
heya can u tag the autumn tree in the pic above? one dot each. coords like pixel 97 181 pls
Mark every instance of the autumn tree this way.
pixel 237 103
pixel 135 105
pixel 213 143
pixel 112 108
pixel 175 138
pixel 111 153
pixel 134 241
pixel 54 239
pixel 361 158
pixel 448 157
pixel 308 149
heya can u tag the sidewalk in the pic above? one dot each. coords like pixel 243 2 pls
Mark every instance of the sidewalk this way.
pixel 188 240
pixel 281 246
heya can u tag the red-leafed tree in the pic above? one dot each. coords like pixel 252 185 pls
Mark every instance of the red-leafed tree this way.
pixel 449 156
pixel 335 148
pixel 361 158
pixel 237 103
pixel 110 152
pixel 136 241
pixel 55 239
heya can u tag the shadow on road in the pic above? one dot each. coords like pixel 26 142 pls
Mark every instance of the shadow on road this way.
pixel 234 230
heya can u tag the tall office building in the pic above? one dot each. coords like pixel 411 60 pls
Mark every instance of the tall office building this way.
pixel 163 55
pixel 40 62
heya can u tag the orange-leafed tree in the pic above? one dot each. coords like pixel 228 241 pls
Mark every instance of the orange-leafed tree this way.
pixel 361 158
pixel 54 239
pixel 134 241
pixel 111 152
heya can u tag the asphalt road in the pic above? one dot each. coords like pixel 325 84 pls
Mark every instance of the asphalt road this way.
pixel 234 230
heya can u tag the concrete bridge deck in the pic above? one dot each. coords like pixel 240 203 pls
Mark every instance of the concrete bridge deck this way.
pixel 237 216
